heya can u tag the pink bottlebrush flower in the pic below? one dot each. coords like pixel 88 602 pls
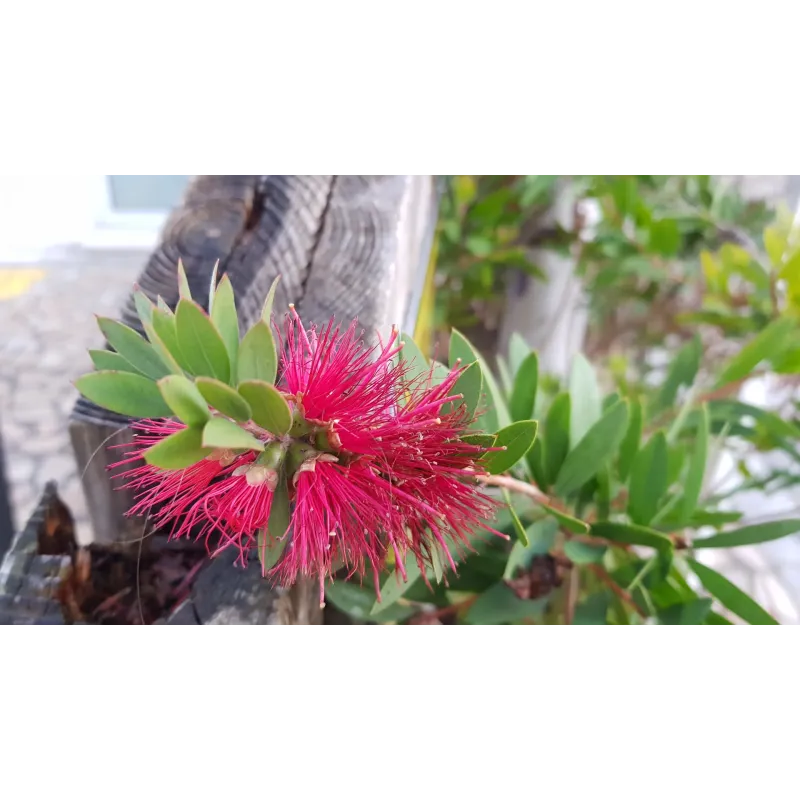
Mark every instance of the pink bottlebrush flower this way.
pixel 375 463
pixel 175 499
pixel 404 478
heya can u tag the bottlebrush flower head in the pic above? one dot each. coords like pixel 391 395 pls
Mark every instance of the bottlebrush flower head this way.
pixel 357 455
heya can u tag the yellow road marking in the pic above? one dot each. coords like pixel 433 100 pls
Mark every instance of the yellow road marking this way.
pixel 15 282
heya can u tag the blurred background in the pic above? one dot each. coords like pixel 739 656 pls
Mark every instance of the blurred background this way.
pixel 629 270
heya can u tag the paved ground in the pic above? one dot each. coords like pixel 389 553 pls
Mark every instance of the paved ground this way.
pixel 46 327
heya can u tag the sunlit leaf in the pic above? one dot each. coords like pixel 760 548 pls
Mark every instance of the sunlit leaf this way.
pixel 178 450
pixel 594 451
pixel 731 596
pixel 124 393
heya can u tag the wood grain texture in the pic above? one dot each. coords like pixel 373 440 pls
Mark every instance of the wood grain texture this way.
pixel 335 242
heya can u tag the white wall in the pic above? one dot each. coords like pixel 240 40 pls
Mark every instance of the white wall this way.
pixel 39 214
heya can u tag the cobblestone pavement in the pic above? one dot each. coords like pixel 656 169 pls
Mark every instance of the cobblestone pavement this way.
pixel 46 326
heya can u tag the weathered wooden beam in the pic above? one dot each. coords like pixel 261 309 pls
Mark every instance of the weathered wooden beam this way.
pixel 344 246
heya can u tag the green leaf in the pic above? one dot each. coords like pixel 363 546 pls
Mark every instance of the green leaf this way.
pixel 470 384
pixel 586 400
pixel 183 282
pixel 770 343
pixel 224 399
pixel 716 619
pixel 144 307
pixel 499 605
pixel 517 438
pixel 775 243
pixel 515 520
pixel 438 373
pixel 268 408
pixel 212 286
pixel 541 537
pixel 414 358
pixel 133 348
pixel 164 328
pixel 556 436
pixel 178 450
pixel 266 312
pixel 394 587
pixel 752 534
pixel 163 351
pixel 497 415
pixel 482 440
pixel 593 610
pixel 523 396
pixel 571 524
pixel 581 553
pixel 518 351
pixel 535 459
pixel 731 596
pixel 630 444
pixel 648 481
pixel 506 382
pixel 107 360
pixel 185 400
pixel 665 238
pixel 258 359
pixel 226 321
pixel 200 343
pixel 594 451
pixel 692 612
pixel 221 432
pixel 682 372
pixel 632 534
pixel 272 541
pixel 124 393
pixel 693 484
pixel 357 602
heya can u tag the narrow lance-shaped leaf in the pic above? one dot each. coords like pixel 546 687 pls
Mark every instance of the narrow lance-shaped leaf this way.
pixel 648 481
pixel 394 587
pixel 226 321
pixel 693 485
pixel 770 343
pixel 731 596
pixel 183 282
pixel 108 360
pixel 178 450
pixel 556 436
pixel 144 307
pixel 632 534
pixel 518 351
pixel 164 327
pixel 523 396
pixel 630 444
pixel 212 287
pixel 200 342
pixel 594 451
pixel 518 526
pixel 124 393
pixel 750 535
pixel 586 400
pixel 266 311
pixel 272 541
pixel 133 348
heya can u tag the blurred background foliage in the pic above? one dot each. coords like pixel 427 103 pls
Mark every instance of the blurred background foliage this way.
pixel 646 440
